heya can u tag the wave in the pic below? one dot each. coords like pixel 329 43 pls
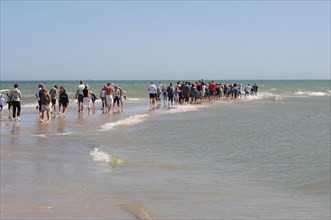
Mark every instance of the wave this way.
pixel 132 99
pixel 132 120
pixel 184 108
pixel 4 90
pixel 310 93
pixel 265 96
pixel 101 156
pixel 55 134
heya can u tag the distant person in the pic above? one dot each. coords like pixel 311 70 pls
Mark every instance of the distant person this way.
pixel 247 90
pixel 45 100
pixel 158 91
pixel 103 98
pixel 164 96
pixel 117 96
pixel 93 99
pixel 109 96
pixel 170 93
pixel 152 95
pixel 16 95
pixel 41 94
pixel 37 91
pixel 186 91
pixel 63 101
pixel 86 99
pixel 2 103
pixel 121 98
pixel 80 96
pixel 9 103
pixel 53 93
pixel 254 89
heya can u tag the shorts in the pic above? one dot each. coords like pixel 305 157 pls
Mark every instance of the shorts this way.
pixel 86 102
pixel 53 101
pixel 117 100
pixel 80 98
pixel 45 108
pixel 109 100
pixel 64 104
pixel 152 95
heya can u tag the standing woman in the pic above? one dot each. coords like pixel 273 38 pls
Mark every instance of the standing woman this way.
pixel 16 95
pixel 63 101
pixel 9 102
pixel 86 98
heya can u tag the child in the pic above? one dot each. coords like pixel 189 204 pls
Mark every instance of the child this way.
pixel 2 103
pixel 8 101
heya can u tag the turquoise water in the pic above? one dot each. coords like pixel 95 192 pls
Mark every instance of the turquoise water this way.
pixel 262 157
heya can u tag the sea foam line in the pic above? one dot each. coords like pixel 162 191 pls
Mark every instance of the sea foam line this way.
pixel 184 108
pixel 132 120
pixel 309 93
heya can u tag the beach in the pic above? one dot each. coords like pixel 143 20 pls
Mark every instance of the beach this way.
pixel 266 156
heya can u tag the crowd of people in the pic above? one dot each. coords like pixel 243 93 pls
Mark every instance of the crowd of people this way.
pixel 185 92
pixel 56 100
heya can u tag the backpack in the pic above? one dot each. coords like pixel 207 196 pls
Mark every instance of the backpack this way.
pixel 15 95
pixel 170 89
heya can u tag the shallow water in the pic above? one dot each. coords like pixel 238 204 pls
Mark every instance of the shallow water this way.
pixel 262 157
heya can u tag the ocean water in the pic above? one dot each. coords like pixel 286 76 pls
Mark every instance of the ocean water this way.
pixel 266 157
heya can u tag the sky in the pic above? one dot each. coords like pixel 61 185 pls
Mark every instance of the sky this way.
pixel 142 40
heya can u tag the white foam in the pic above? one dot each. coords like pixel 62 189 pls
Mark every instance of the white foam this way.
pixel 60 134
pixel 185 108
pixel 132 99
pixel 309 93
pixel 133 120
pixel 101 156
pixel 4 90
pixel 264 96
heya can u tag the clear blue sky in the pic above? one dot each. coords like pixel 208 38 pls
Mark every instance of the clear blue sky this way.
pixel 64 40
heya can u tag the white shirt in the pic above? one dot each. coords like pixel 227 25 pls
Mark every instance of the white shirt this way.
pixel 152 89
pixel 80 89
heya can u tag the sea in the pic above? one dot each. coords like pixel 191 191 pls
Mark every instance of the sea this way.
pixel 261 157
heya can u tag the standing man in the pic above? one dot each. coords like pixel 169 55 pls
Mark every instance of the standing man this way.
pixel 109 96
pixel 152 95
pixel 53 93
pixel 16 95
pixel 254 89
pixel 247 90
pixel 80 95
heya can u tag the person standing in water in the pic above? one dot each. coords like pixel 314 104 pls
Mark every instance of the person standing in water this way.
pixel 109 96
pixel 16 95
pixel 45 100
pixel 152 95
pixel 63 101
pixel 53 93
pixel 80 96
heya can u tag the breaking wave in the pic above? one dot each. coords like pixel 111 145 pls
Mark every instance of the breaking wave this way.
pixel 185 108
pixel 101 156
pixel 133 120
pixel 309 93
